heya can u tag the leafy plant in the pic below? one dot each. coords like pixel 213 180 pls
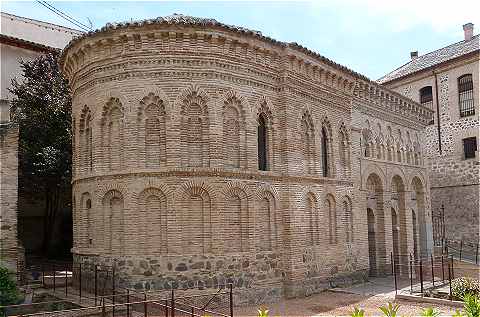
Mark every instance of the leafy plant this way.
pixel 8 289
pixel 357 312
pixel 471 304
pixel 430 312
pixel 262 312
pixel 458 313
pixel 464 285
pixel 390 310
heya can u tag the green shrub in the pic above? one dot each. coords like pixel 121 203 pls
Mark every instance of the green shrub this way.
pixel 390 310
pixel 262 312
pixel 462 286
pixel 357 312
pixel 471 304
pixel 8 289
pixel 430 312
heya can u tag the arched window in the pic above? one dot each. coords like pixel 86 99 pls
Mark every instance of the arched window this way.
pixel 313 221
pixel 266 223
pixel 465 95
pixel 426 97
pixel 262 143
pixel 344 149
pixel 325 162
pixel 233 133
pixel 88 209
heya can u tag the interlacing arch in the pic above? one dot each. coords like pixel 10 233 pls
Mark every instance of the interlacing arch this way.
pixel 331 211
pixel 312 219
pixel 113 221
pixel 153 219
pixel 86 230
pixel 344 148
pixel 234 131
pixel 236 219
pixel 308 142
pixel 151 131
pixel 86 139
pixel 267 222
pixel 195 127
pixel 112 127
pixel 195 203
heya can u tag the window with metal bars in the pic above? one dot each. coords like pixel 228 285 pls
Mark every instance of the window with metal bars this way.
pixel 465 95
pixel 426 98
pixel 469 147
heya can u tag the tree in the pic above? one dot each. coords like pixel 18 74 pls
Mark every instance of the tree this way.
pixel 42 107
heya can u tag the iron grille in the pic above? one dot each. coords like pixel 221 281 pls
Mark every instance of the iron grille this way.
pixel 465 96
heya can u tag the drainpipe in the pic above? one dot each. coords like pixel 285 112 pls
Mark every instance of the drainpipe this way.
pixel 438 114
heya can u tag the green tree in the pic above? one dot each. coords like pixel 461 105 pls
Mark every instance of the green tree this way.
pixel 8 289
pixel 42 108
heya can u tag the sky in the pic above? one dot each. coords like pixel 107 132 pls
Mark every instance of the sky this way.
pixel 372 37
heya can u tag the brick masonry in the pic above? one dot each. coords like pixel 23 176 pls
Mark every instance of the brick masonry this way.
pixel 166 181
pixel 8 194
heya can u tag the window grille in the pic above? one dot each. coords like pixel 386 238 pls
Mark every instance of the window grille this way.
pixel 426 98
pixel 465 95
pixel 469 147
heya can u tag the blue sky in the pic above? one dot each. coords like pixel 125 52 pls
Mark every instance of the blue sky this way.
pixel 372 37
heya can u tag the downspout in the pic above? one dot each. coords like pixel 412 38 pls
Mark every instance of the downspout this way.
pixel 438 114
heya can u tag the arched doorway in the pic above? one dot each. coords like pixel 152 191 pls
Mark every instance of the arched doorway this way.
pixel 398 207
pixel 372 249
pixel 376 225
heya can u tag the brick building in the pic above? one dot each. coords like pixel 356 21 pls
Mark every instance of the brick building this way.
pixel 206 153
pixel 447 81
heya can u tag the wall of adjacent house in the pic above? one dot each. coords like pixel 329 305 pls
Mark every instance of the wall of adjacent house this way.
pixel 454 179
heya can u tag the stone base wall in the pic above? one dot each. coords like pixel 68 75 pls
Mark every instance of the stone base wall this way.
pixel 256 278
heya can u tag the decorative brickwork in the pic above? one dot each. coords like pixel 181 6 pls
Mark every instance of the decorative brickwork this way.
pixel 221 156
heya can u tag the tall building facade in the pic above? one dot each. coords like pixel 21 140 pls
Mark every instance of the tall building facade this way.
pixel 20 39
pixel 447 81
pixel 207 154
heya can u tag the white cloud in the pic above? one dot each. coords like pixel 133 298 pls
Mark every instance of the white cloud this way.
pixel 401 15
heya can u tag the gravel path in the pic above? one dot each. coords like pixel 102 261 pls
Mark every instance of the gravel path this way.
pixel 331 303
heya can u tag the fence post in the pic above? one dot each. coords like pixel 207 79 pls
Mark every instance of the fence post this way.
pixel 103 308
pixel 476 255
pixel 113 289
pixel 145 304
pixel 43 274
pixel 449 280
pixel 54 282
pixel 443 271
pixel 193 312
pixel 433 270
pixel 66 280
pixel 421 276
pixel 173 303
pixel 95 286
pixel 391 261
pixel 394 273
pixel 231 300
pixel 453 272
pixel 166 307
pixel 80 279
pixel 411 275
pixel 128 301
pixel 461 249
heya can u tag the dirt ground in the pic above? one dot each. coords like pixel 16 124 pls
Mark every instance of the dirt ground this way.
pixel 331 303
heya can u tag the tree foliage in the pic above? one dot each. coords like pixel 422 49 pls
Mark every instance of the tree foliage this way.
pixel 8 289
pixel 42 108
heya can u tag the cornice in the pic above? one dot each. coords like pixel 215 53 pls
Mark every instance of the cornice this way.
pixel 215 173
